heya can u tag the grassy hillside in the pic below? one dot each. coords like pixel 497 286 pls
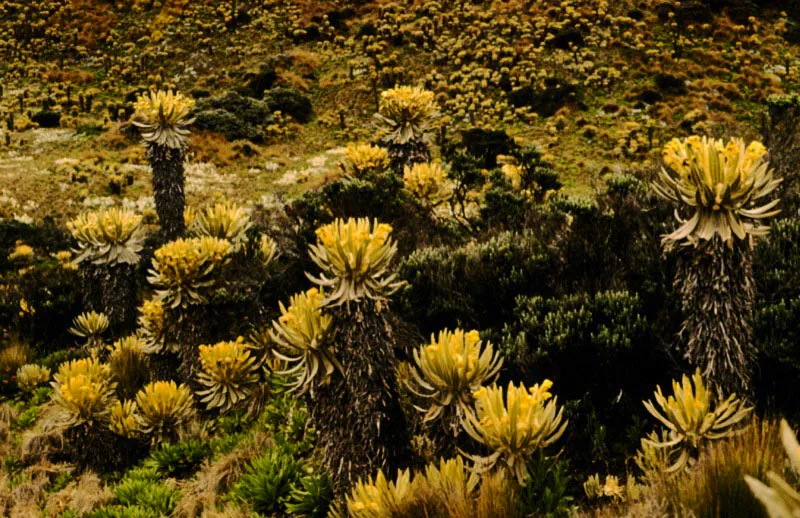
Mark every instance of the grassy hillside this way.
pixel 598 86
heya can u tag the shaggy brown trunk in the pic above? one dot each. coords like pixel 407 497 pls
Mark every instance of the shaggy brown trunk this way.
pixel 715 281
pixel 167 164
pixel 408 154
pixel 360 424
pixel 111 290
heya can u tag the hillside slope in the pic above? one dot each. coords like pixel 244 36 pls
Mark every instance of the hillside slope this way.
pixel 596 85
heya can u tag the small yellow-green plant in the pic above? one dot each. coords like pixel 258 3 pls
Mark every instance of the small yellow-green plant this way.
pixel 525 422
pixel 228 371
pixel 21 252
pixel 450 368
pixel 304 338
pixel 379 498
pixel 362 158
pixel 692 417
pixel 611 488
pixel 112 236
pixel 451 477
pixel 30 376
pixel 128 363
pixel 83 390
pixel 183 269
pixel 13 357
pixel 354 257
pixel 151 327
pixel 721 182
pixel 123 419
pixel 223 221
pixel 91 326
pixel 405 113
pixel 164 408
pixel 427 181
pixel 268 249
pixel 779 498
pixel 164 118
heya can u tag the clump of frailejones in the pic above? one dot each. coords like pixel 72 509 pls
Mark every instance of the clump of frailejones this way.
pixel 723 185
pixel 164 119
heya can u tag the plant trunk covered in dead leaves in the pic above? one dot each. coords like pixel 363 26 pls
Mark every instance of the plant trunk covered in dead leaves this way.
pixel 110 290
pixel 404 155
pixel 168 192
pixel 715 281
pixel 360 425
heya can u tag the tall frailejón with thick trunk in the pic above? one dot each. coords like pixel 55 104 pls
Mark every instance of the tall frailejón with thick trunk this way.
pixel 163 118
pixel 722 186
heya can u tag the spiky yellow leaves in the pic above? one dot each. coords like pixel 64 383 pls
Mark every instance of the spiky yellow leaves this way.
pixel 514 427
pixel 354 257
pixel 722 182
pixel 112 236
pixel 163 117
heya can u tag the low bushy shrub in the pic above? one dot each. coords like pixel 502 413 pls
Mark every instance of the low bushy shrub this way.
pixel 474 285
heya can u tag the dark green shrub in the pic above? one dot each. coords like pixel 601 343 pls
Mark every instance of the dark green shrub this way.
pixel 474 285
pixel 228 125
pixel 776 265
pixel 487 144
pixel 290 102
pixel 599 352
pixel 267 483
pixel 581 206
pixel 546 493
pixel 234 116
pixel 378 196
pixel 622 184
pixel 574 335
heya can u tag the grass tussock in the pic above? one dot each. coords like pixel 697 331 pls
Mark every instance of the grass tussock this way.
pixel 201 494
pixel 81 496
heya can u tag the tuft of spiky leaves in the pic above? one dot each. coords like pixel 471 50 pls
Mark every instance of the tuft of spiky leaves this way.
pixel 123 419
pixel 354 257
pixel 31 375
pixel 129 364
pixel 12 358
pixel 223 221
pixel 362 158
pixel 184 269
pixel 693 417
pixel 405 113
pixel 427 181
pixel 304 336
pixel 90 325
pixel 514 427
pixel 152 326
pixel 312 496
pixel 83 391
pixel 163 117
pixel 111 236
pixel 377 497
pixel 450 368
pixel 721 182
pixel 267 483
pixel 165 408
pixel 229 372
pixel 268 249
